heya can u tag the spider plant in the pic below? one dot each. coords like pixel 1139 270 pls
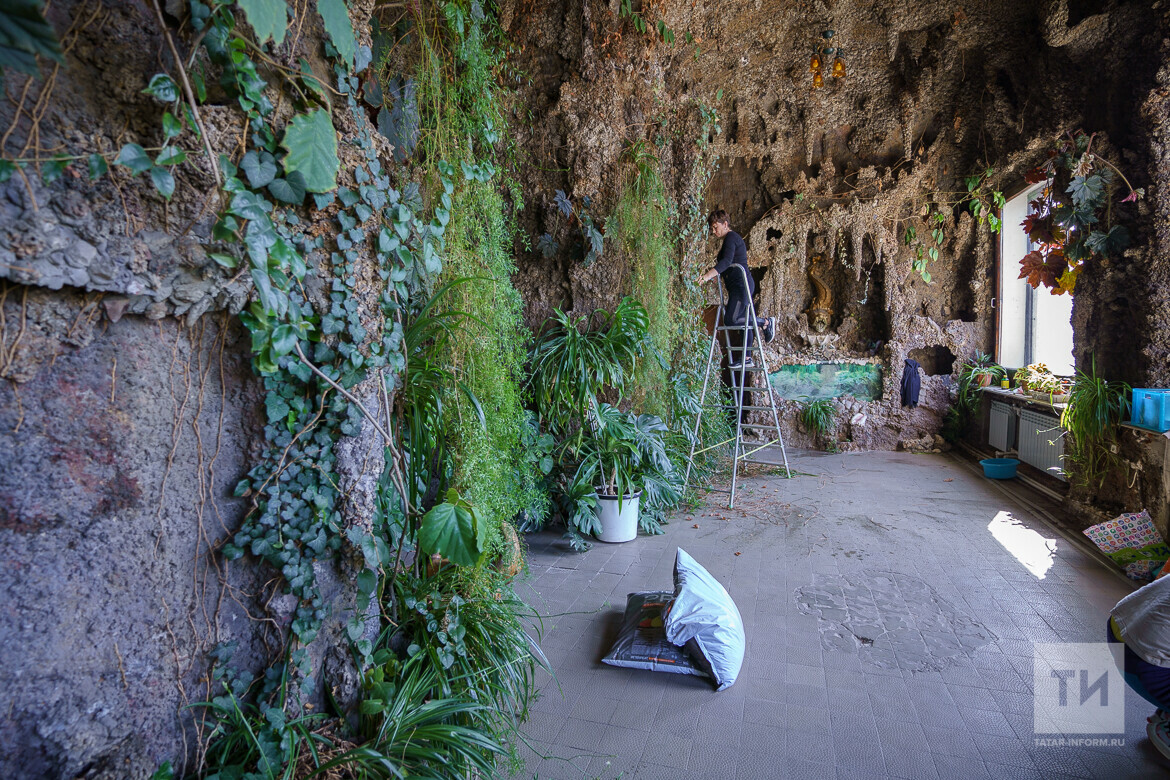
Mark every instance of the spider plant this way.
pixel 572 362
pixel 1095 407
pixel 414 732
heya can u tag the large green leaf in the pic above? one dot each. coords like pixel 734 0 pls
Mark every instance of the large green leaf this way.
pixel 340 28
pixel 449 530
pixel 312 149
pixel 24 33
pixel 269 18
pixel 1087 190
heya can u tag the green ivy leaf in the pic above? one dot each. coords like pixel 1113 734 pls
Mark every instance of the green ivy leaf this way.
pixel 164 182
pixel 7 168
pixel 268 296
pixel 170 156
pixel 290 189
pixel 171 126
pixel 98 166
pixel 200 88
pixel 340 28
pixel 249 205
pixel 449 530
pixel 269 18
pixel 260 168
pixel 135 158
pixel 227 261
pixel 260 235
pixel 312 150
pixel 284 339
pixel 311 81
pixel 367 581
pixel 276 407
pixel 371 706
pixel 26 34
pixel 225 228
pixel 162 88
pixel 52 170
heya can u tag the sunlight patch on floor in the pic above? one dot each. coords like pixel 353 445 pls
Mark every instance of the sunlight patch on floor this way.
pixel 1035 552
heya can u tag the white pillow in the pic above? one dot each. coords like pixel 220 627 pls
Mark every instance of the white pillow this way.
pixel 704 617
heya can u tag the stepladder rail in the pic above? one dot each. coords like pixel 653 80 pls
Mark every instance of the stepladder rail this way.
pixel 740 359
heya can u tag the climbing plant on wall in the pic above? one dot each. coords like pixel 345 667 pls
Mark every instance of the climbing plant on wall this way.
pixel 926 235
pixel 1071 222
pixel 292 203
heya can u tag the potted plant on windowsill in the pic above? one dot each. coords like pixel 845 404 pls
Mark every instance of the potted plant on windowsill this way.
pixel 985 371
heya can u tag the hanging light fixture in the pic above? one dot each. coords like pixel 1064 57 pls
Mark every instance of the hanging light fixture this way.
pixel 821 54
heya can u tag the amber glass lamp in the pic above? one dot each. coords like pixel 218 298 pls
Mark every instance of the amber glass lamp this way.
pixel 814 65
pixel 838 70
pixel 818 80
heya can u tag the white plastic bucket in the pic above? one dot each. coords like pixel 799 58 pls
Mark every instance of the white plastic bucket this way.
pixel 618 526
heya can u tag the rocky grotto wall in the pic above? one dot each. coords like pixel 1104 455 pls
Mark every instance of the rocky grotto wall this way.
pixel 129 411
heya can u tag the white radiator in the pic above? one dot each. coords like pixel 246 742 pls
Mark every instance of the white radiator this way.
pixel 1001 431
pixel 1042 442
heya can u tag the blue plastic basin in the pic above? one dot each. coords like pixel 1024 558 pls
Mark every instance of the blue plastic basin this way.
pixel 999 468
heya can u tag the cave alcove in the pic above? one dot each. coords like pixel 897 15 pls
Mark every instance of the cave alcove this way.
pixel 935 360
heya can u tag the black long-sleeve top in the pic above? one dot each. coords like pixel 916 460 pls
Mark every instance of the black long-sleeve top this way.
pixel 734 253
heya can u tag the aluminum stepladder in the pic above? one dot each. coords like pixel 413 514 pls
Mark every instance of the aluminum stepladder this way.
pixel 740 391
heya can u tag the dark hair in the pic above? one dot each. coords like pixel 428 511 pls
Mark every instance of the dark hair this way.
pixel 718 216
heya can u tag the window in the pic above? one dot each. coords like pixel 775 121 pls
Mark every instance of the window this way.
pixel 1035 326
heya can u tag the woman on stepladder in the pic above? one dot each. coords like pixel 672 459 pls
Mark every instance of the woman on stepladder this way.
pixel 731 264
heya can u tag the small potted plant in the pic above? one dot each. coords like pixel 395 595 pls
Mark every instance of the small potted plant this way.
pixel 1048 387
pixel 984 370
pixel 1028 375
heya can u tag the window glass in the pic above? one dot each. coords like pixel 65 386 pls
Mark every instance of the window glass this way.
pixel 1035 326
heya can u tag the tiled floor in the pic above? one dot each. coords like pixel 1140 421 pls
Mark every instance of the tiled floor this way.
pixel 890 602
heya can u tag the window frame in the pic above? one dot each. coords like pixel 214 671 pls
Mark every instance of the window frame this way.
pixel 1015 307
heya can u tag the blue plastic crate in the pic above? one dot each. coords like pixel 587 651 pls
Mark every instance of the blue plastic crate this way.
pixel 1151 409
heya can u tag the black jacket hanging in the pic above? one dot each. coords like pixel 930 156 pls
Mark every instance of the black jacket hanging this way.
pixel 911 383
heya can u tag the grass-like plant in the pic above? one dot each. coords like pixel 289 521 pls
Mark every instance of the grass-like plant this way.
pixel 470 633
pixel 1095 408
pixel 573 362
pixel 430 378
pixel 415 731
pixel 819 417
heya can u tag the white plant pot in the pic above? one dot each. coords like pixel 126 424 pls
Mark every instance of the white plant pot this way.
pixel 618 525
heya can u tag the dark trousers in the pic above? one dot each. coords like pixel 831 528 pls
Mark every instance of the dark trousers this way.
pixel 1151 682
pixel 736 314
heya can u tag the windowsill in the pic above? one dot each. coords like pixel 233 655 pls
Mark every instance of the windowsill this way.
pixel 1147 431
pixel 1019 397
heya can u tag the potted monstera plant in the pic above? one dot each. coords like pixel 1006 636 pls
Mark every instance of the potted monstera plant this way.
pixel 624 456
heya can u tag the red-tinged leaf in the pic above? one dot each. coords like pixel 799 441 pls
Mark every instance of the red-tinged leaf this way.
pixel 1039 228
pixel 1036 175
pixel 1043 269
